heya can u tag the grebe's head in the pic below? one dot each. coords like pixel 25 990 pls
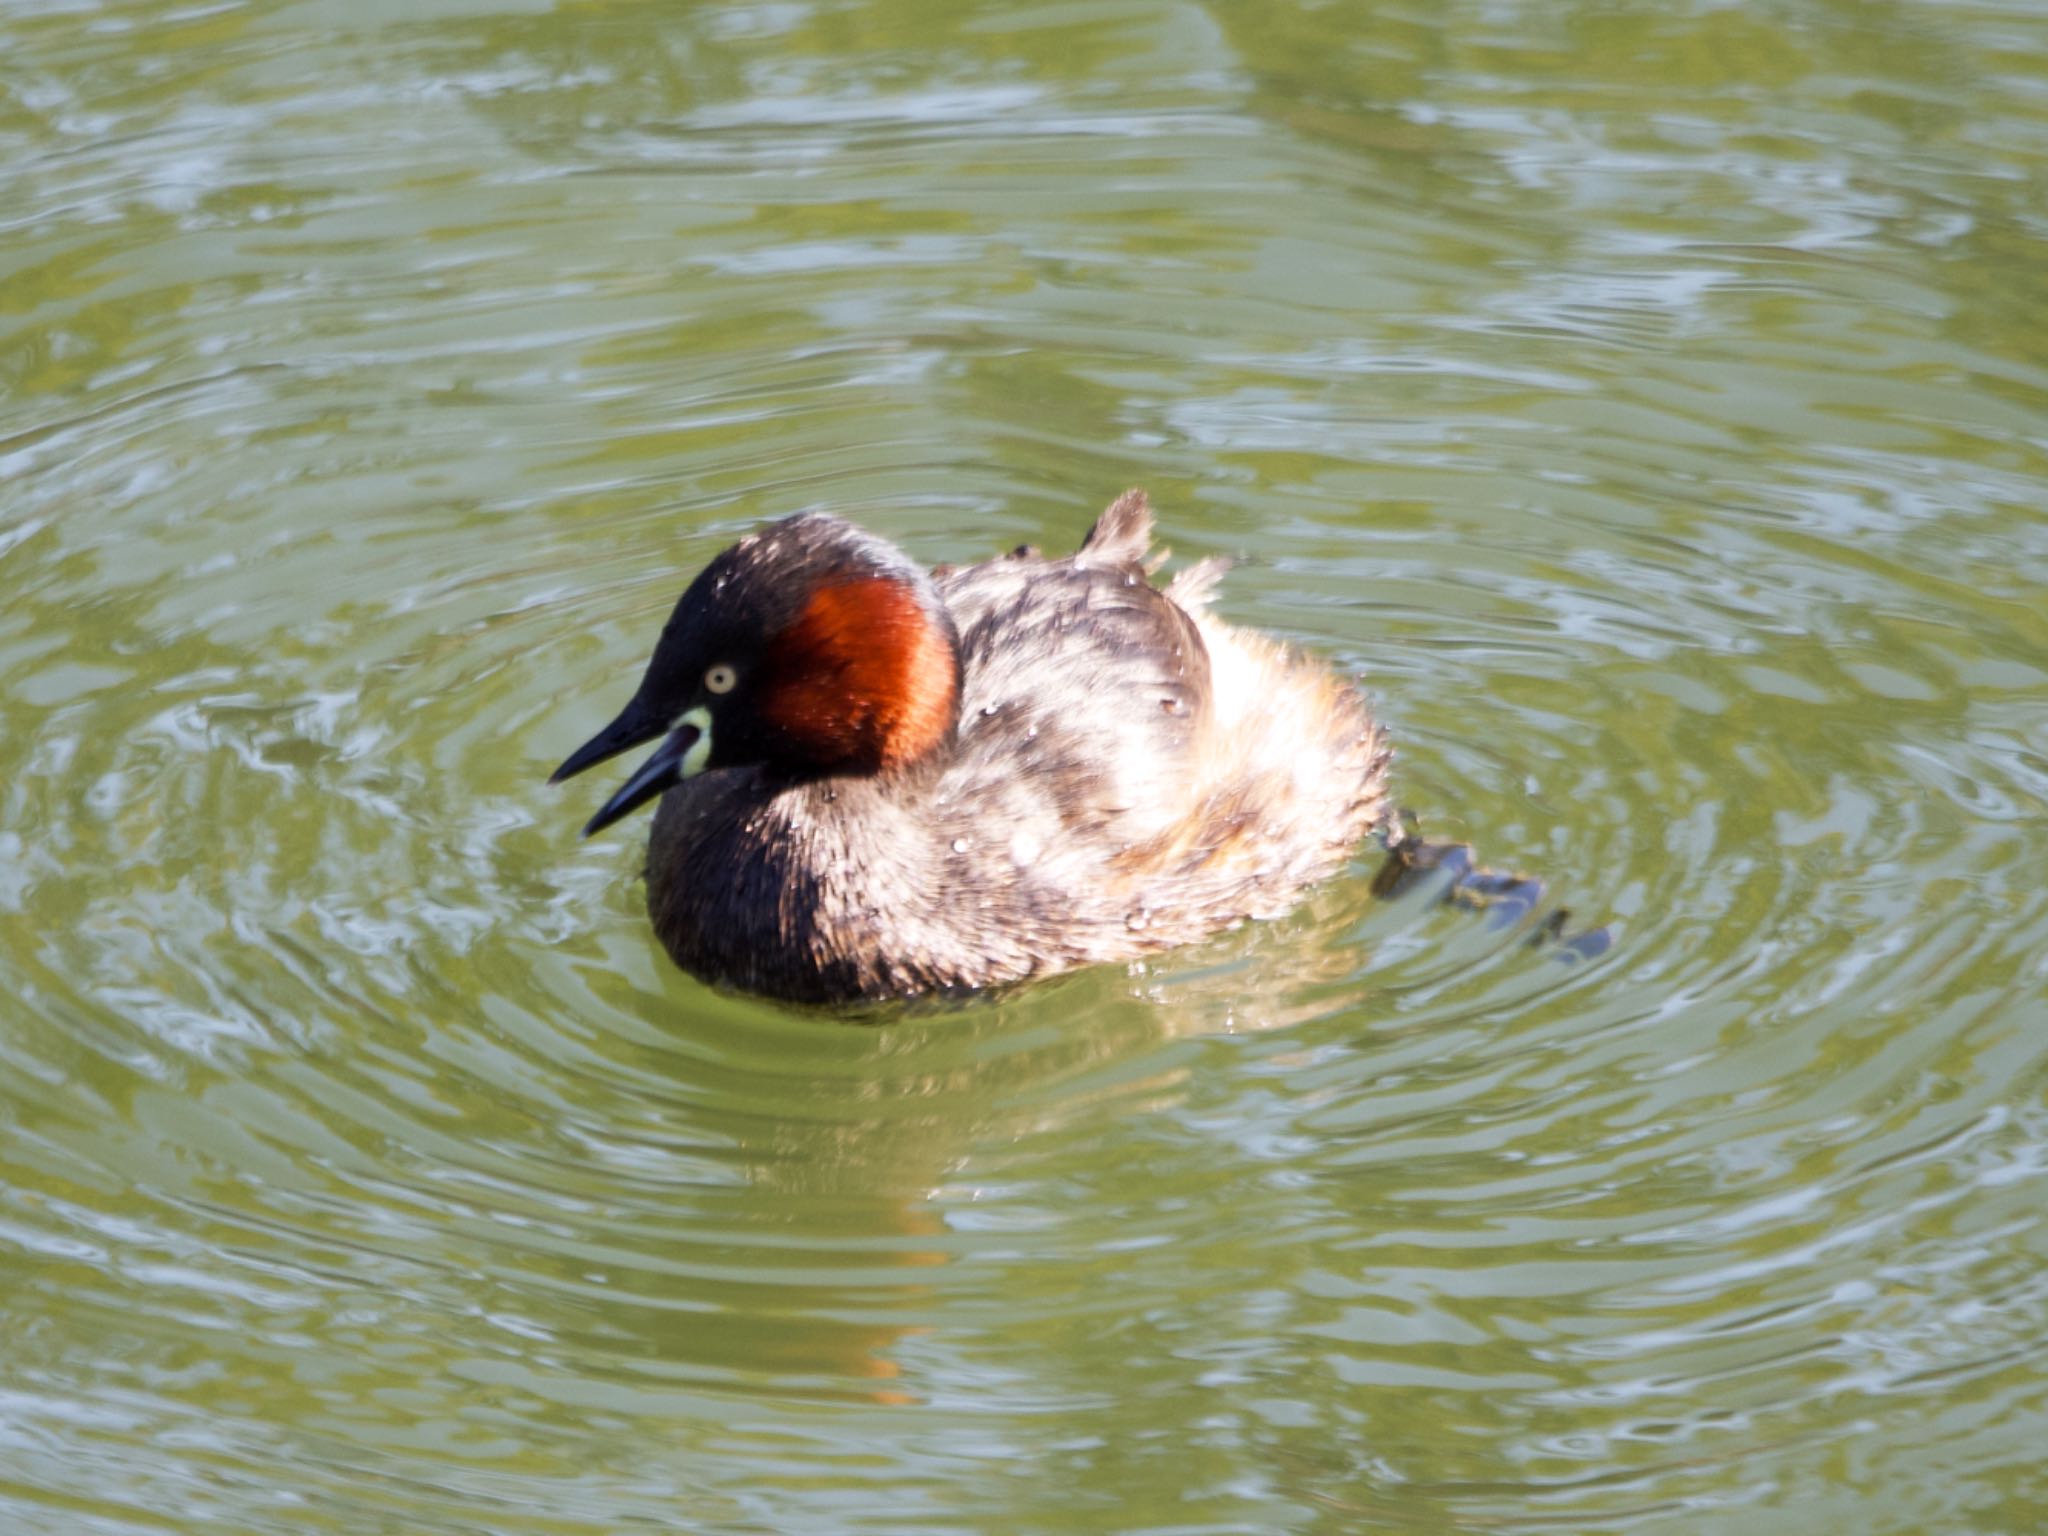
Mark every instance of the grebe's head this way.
pixel 809 648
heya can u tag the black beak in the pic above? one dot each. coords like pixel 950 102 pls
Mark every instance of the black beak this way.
pixel 636 723
pixel 663 769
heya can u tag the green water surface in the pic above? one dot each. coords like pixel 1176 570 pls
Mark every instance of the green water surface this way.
pixel 1649 401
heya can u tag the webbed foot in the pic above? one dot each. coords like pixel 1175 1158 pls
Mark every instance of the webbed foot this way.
pixel 1505 899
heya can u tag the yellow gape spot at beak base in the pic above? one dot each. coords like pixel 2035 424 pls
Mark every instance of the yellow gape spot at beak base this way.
pixel 700 750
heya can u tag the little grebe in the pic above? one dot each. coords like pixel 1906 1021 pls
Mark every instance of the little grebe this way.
pixel 878 781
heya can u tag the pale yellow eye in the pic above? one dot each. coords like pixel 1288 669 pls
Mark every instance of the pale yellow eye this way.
pixel 721 678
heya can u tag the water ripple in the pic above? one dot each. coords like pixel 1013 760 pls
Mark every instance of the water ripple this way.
pixel 1656 433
